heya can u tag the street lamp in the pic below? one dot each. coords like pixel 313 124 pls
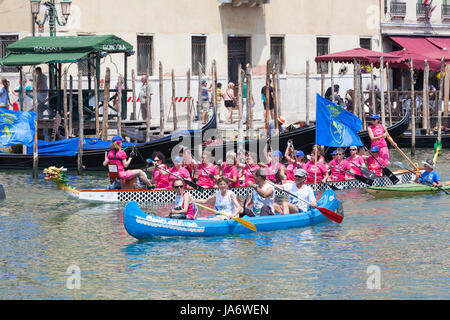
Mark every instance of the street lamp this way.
pixel 51 13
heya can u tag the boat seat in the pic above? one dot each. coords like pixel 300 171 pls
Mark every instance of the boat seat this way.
pixel 113 174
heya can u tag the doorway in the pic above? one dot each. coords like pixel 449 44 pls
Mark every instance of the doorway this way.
pixel 238 54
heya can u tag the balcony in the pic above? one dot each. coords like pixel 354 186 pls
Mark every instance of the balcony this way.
pixel 422 10
pixel 445 13
pixel 398 10
pixel 247 3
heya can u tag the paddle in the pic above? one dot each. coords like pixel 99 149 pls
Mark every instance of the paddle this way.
pixel 367 173
pixel 189 183
pixel 356 176
pixel 245 223
pixel 402 153
pixel 388 173
pixel 425 182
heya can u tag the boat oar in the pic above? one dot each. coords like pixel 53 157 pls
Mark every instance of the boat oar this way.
pixel 188 182
pixel 388 173
pixel 425 182
pixel 402 153
pixel 245 223
pixel 366 172
pixel 356 176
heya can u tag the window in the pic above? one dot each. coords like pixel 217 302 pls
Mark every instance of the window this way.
pixel 277 52
pixel 144 55
pixel 4 42
pixel 365 43
pixel 198 53
pixel 322 45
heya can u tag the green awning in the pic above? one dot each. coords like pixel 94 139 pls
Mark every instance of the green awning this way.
pixel 31 59
pixel 38 50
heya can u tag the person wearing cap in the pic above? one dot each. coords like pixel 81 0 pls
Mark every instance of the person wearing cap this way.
pixel 374 165
pixel 339 163
pixel 378 134
pixel 355 160
pixel 205 101
pixel 275 170
pixel 263 196
pixel 116 156
pixel 229 170
pixel 178 170
pixel 281 120
pixel 429 176
pixel 302 191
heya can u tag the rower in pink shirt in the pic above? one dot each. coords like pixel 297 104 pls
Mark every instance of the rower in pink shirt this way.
pixel 318 170
pixel 378 134
pixel 230 170
pixel 248 168
pixel 274 167
pixel 159 175
pixel 373 164
pixel 337 165
pixel 206 171
pixel 354 160
pixel 179 170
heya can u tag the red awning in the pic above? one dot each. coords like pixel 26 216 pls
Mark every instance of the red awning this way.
pixel 430 48
pixel 418 60
pixel 361 55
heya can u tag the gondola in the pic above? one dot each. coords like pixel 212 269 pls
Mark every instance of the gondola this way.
pixel 93 159
pixel 422 140
pixel 303 138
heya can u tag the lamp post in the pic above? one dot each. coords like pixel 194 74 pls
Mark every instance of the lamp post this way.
pixel 51 14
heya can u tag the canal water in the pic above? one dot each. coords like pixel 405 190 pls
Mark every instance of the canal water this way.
pixel 392 248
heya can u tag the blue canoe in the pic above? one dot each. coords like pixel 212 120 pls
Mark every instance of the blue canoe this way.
pixel 143 226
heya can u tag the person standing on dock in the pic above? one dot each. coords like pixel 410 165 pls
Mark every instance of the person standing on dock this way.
pixel 143 97
pixel 378 134
pixel 264 99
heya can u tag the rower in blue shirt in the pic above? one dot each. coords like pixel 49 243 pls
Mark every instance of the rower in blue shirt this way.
pixel 429 176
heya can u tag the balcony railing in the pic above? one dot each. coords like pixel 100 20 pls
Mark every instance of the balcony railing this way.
pixel 445 13
pixel 398 9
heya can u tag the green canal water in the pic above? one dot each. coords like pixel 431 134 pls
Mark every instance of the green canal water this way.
pixel 393 248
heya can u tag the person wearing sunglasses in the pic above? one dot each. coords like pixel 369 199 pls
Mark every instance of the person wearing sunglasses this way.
pixel 116 156
pixel 184 207
pixel 354 160
pixel 225 202
pixel 339 163
pixel 160 177
pixel 302 191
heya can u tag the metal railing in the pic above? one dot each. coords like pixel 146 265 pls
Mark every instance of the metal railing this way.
pixel 421 10
pixel 445 13
pixel 398 9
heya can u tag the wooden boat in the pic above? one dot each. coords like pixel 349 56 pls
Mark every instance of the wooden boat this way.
pixel 422 140
pixel 303 138
pixel 142 195
pixel 93 159
pixel 143 226
pixel 410 189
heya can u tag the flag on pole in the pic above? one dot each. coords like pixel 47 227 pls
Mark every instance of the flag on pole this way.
pixel 335 126
pixel 16 127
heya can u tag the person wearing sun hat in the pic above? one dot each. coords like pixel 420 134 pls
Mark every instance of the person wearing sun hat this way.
pixel 281 121
pixel 302 191
pixel 378 134
pixel 116 156
pixel 429 176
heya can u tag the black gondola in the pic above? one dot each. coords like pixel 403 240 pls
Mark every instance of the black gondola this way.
pixel 422 140
pixel 93 159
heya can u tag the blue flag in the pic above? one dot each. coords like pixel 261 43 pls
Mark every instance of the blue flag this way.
pixel 16 127
pixel 335 126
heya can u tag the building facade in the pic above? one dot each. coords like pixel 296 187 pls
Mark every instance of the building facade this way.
pixel 181 33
